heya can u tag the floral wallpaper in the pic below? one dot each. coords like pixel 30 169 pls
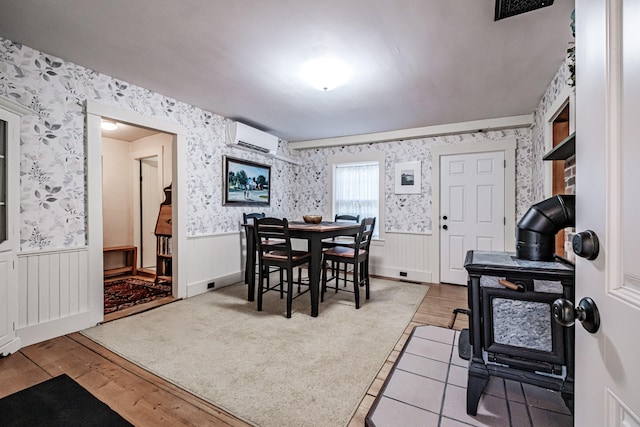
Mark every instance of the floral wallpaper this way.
pixel 52 148
pixel 402 210
pixel 53 166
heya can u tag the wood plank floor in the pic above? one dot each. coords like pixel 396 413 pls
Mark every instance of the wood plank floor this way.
pixel 147 400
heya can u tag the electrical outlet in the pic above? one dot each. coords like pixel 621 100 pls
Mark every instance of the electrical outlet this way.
pixel 403 274
pixel 211 285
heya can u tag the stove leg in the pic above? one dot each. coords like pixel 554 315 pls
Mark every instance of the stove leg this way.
pixel 476 383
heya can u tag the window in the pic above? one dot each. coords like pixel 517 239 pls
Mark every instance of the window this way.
pixel 357 189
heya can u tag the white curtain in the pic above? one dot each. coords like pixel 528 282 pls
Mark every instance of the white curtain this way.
pixel 356 190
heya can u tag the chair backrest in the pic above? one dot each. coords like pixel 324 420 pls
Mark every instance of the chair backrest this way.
pixel 272 229
pixel 248 217
pixel 347 218
pixel 365 234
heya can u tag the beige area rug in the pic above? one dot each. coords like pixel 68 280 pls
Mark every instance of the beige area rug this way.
pixel 262 367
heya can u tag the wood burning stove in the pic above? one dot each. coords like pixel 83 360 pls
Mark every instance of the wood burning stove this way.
pixel 511 328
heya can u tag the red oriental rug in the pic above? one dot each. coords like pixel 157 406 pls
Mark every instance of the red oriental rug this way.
pixel 128 292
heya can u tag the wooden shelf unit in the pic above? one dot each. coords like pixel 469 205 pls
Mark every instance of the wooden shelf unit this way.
pixel 164 244
pixel 131 260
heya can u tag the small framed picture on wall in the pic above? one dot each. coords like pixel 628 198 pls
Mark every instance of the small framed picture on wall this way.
pixel 408 178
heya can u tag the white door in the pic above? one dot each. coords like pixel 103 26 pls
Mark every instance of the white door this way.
pixel 9 135
pixel 607 380
pixel 150 198
pixel 471 209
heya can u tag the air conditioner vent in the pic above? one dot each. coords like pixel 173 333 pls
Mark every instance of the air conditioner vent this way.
pixel 244 136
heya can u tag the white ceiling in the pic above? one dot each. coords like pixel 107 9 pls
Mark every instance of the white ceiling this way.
pixel 415 62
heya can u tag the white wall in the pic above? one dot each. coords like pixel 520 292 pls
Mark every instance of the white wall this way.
pixel 116 193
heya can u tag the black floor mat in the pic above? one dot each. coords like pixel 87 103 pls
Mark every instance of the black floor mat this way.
pixel 58 402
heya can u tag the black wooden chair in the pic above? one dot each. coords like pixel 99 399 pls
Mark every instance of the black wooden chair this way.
pixel 280 256
pixel 357 256
pixel 340 240
pixel 247 218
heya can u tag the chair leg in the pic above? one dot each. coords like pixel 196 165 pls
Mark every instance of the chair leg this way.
pixel 289 291
pixel 260 286
pixel 323 289
pixel 281 284
pixel 366 278
pixel 356 285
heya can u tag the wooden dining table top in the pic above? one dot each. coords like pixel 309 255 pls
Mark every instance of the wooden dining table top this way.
pixel 324 226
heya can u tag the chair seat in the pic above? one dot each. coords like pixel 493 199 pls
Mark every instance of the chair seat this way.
pixel 282 255
pixel 338 241
pixel 344 252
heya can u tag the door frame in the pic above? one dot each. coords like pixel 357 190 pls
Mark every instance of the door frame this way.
pixel 12 114
pixel 94 113
pixel 508 146
pixel 567 97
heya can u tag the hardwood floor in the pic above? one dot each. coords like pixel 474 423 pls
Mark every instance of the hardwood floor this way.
pixel 147 400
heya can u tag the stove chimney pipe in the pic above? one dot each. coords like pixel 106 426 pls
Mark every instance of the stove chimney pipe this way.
pixel 535 236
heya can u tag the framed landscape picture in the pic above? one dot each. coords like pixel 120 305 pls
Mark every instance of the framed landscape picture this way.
pixel 408 179
pixel 246 183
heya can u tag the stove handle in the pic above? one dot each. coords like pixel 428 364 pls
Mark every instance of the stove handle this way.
pixel 586 312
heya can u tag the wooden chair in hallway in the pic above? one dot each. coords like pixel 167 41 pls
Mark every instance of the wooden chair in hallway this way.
pixel 357 256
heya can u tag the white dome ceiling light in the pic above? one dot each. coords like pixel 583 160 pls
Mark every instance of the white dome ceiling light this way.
pixel 108 125
pixel 325 73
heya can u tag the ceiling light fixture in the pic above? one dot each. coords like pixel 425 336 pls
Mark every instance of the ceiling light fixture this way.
pixel 325 73
pixel 109 125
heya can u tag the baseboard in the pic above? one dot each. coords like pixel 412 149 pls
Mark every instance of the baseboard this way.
pixel 11 347
pixel 402 274
pixel 203 286
pixel 55 328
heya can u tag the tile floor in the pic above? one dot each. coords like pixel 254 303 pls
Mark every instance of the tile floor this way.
pixel 428 388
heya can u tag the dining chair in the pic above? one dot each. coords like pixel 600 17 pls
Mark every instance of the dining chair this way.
pixel 247 218
pixel 357 256
pixel 281 256
pixel 340 240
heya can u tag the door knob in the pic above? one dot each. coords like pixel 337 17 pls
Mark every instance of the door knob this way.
pixel 586 312
pixel 444 227
pixel 586 245
pixel 444 217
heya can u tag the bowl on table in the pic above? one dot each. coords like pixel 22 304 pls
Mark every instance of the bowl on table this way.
pixel 312 219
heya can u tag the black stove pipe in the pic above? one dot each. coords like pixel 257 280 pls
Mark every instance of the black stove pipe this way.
pixel 535 236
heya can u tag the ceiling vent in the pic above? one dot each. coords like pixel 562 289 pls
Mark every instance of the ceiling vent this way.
pixel 507 8
pixel 243 136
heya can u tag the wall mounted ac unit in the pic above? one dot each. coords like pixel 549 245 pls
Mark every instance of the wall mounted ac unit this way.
pixel 242 136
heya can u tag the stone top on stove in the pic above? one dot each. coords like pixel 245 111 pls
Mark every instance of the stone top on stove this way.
pixel 508 259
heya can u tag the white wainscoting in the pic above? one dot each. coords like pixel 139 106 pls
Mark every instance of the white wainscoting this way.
pixel 54 294
pixel 218 259
pixel 402 253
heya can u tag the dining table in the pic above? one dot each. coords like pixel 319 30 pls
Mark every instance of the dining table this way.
pixel 314 234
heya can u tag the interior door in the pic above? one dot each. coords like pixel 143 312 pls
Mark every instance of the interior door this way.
pixel 607 202
pixel 471 209
pixel 150 198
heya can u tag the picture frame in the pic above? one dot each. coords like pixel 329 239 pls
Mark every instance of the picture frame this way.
pixel 246 183
pixel 408 177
